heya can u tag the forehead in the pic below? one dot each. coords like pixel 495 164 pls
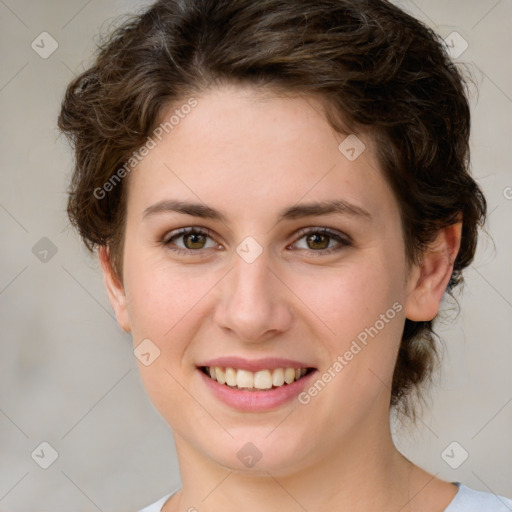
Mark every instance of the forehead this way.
pixel 250 151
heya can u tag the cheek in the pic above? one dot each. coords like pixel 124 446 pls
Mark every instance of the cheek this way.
pixel 161 297
pixel 164 305
pixel 349 299
pixel 361 310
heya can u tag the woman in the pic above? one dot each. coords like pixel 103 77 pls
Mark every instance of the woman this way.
pixel 280 197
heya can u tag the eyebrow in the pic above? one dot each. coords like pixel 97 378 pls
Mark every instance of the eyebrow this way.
pixel 336 206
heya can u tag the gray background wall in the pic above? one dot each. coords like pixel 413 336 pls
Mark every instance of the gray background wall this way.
pixel 67 373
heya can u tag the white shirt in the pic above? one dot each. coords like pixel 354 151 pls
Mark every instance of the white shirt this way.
pixel 466 500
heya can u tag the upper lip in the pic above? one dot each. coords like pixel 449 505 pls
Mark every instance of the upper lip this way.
pixel 254 365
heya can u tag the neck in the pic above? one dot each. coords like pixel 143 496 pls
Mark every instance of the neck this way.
pixel 362 471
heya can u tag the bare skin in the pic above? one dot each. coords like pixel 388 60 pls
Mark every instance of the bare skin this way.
pixel 251 157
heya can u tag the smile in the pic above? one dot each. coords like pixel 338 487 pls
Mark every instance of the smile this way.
pixel 254 381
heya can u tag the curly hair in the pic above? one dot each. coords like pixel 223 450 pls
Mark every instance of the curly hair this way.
pixel 376 68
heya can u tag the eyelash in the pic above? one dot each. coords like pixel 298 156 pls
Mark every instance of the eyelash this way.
pixel 343 240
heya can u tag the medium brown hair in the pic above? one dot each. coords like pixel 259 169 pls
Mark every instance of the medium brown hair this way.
pixel 379 69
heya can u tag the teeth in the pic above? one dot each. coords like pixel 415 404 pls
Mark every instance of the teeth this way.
pixel 263 379
pixel 289 375
pixel 230 377
pixel 220 375
pixel 278 377
pixel 244 379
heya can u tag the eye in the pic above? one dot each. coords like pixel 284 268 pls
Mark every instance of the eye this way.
pixel 194 239
pixel 323 240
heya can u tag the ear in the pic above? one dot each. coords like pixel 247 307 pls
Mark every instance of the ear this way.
pixel 115 289
pixel 429 279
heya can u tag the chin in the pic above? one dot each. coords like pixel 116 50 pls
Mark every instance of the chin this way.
pixel 259 454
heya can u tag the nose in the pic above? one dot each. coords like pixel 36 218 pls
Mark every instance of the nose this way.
pixel 254 301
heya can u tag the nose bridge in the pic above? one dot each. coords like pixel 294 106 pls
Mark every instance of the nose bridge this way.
pixel 252 279
pixel 253 300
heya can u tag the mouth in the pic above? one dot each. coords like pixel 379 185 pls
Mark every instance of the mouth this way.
pixel 261 380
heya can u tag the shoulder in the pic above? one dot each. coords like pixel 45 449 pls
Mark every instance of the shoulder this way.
pixel 470 500
pixel 157 506
pixel 466 500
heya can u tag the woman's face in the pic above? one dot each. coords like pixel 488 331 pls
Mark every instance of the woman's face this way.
pixel 260 282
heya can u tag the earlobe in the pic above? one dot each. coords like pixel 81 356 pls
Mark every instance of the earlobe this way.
pixel 115 289
pixel 429 279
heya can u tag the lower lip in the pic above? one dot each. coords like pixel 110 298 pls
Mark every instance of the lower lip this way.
pixel 256 401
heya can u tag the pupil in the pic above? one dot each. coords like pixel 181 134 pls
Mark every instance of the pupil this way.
pixel 314 239
pixel 194 236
